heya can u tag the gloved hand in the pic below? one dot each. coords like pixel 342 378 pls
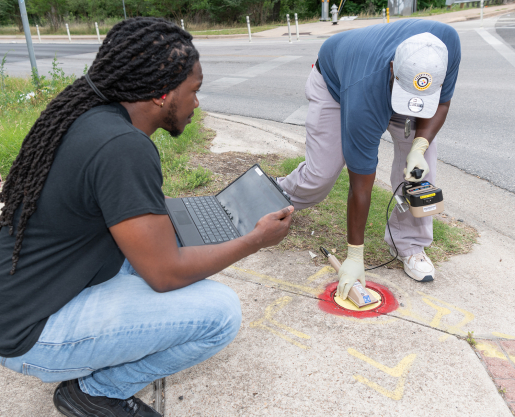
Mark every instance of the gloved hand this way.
pixel 416 158
pixel 352 269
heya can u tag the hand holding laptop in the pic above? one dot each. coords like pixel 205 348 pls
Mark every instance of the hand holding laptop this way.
pixel 272 228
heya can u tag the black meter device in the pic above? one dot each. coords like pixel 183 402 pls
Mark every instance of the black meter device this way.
pixel 423 198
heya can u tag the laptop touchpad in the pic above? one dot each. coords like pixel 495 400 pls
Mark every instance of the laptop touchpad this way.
pixel 182 217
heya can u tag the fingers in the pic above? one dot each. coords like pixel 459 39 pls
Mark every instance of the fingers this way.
pixel 363 281
pixel 345 291
pixel 285 212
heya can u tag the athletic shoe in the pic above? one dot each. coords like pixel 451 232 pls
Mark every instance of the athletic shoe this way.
pixel 418 266
pixel 72 402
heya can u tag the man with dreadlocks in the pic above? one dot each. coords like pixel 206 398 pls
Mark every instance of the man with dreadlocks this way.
pixel 94 289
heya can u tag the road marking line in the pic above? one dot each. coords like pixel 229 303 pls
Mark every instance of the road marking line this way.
pixel 223 83
pixel 259 69
pixel 400 371
pixel 500 47
pixel 298 117
pixel 270 311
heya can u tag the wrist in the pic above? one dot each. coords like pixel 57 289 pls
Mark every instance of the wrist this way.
pixel 420 144
pixel 252 242
pixel 355 252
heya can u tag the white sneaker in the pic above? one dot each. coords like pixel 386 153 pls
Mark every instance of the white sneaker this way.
pixel 418 266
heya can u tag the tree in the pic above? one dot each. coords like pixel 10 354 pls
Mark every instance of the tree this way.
pixel 10 11
pixel 52 9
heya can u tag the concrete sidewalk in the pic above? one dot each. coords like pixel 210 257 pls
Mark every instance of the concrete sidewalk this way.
pixel 296 355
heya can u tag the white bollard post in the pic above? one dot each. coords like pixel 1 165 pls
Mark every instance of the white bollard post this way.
pixel 98 33
pixel 297 25
pixel 289 28
pixel 182 24
pixel 39 36
pixel 68 30
pixel 248 27
pixel 482 5
pixel 384 16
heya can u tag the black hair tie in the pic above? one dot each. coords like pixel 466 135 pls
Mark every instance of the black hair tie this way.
pixel 95 89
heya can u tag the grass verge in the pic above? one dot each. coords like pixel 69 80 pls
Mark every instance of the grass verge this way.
pixel 190 169
pixel 326 223
pixel 21 104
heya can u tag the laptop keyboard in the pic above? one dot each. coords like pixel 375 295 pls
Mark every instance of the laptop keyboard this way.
pixel 211 220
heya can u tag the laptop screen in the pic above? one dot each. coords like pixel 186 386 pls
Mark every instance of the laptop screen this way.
pixel 250 197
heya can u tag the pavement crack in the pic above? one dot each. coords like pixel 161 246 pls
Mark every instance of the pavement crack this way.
pixel 312 297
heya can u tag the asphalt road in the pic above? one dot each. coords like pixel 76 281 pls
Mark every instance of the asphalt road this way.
pixel 505 27
pixel 17 52
pixel 265 79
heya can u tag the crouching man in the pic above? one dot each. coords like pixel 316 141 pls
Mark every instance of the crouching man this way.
pixel 94 289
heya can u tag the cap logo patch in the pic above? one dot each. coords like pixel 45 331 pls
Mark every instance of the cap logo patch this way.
pixel 422 81
pixel 416 105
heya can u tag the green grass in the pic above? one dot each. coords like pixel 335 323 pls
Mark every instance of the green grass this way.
pixel 234 31
pixel 175 153
pixel 328 221
pixel 18 114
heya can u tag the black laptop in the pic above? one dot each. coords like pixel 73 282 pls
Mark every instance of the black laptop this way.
pixel 231 213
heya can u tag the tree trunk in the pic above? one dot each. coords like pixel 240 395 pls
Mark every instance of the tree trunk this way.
pixel 53 17
pixel 276 11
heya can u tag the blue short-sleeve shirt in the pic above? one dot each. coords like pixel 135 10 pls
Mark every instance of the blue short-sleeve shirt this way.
pixel 356 68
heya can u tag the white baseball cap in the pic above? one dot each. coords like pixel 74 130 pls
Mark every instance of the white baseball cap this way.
pixel 419 67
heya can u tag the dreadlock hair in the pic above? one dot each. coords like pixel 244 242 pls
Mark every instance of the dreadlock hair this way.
pixel 140 59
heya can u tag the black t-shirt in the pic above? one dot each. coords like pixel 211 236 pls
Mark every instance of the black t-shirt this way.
pixel 104 171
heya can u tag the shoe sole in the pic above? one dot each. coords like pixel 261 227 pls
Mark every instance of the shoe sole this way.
pixel 60 402
pixel 427 278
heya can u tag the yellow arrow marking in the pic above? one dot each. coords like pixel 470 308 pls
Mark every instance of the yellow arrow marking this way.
pixel 400 371
pixel 270 311
pixel 456 329
pixel 440 312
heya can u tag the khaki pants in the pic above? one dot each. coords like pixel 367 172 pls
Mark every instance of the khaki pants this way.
pixel 313 179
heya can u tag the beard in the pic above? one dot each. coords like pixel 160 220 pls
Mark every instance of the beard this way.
pixel 171 121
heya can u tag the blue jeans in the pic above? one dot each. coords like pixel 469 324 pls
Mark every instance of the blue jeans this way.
pixel 119 336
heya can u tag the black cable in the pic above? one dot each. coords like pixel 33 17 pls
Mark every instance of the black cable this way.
pixel 389 231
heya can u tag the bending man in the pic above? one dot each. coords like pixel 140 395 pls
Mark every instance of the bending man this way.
pixel 399 77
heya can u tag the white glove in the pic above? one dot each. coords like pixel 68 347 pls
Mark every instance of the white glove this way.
pixel 416 159
pixel 352 269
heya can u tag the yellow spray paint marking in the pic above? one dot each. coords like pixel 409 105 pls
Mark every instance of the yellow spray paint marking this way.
pixel 441 311
pixel 325 270
pixel 313 291
pixel 270 311
pixel 280 282
pixel 456 329
pixel 503 335
pixel 491 350
pixel 400 371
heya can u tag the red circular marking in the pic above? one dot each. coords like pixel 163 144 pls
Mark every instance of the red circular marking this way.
pixel 388 302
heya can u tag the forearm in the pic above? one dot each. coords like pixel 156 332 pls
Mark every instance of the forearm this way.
pixel 358 205
pixel 195 263
pixel 428 128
